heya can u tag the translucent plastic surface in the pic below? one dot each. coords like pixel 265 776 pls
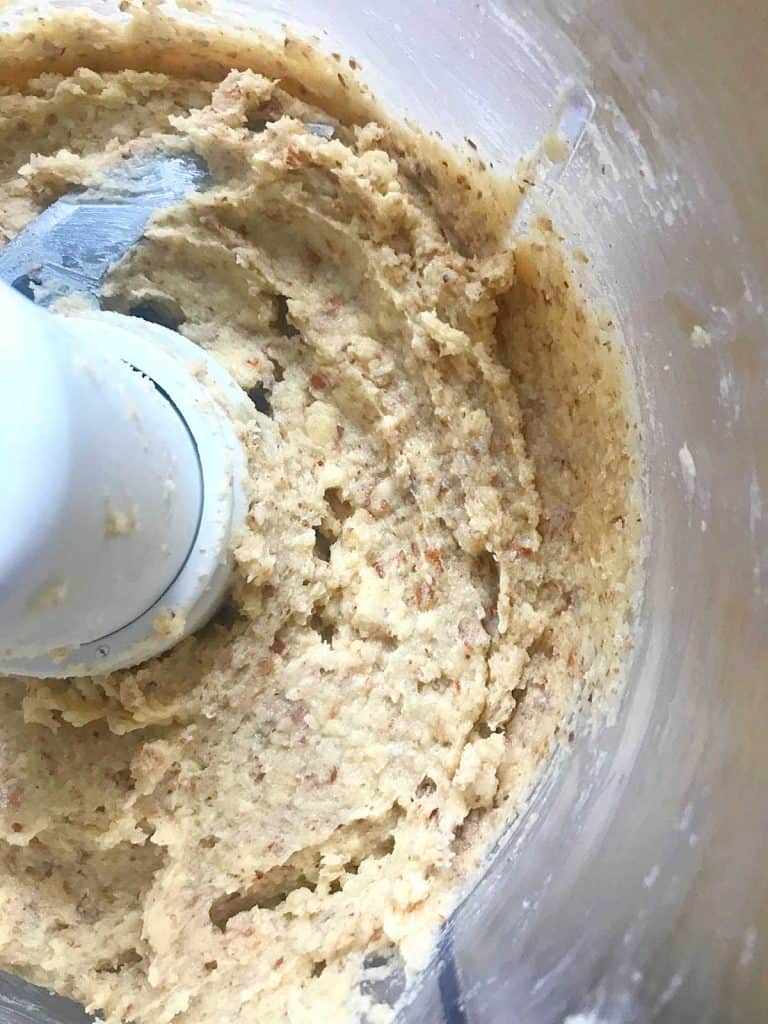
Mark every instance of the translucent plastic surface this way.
pixel 634 889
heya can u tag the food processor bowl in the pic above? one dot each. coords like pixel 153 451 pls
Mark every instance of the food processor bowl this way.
pixel 633 888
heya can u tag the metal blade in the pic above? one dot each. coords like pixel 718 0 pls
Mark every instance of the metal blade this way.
pixel 71 245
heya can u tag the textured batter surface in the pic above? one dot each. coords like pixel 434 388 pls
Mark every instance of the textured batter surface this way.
pixel 437 563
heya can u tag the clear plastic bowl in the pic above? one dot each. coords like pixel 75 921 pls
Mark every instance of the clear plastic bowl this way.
pixel 635 887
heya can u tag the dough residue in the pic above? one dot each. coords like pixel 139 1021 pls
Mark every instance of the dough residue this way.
pixel 437 562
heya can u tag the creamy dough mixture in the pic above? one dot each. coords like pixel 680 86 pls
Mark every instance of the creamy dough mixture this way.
pixel 437 562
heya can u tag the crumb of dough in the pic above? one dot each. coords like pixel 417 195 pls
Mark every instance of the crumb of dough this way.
pixel 120 521
pixel 699 337
pixel 438 560
pixel 48 596
pixel 57 654
pixel 688 469
pixel 169 623
pixel 555 147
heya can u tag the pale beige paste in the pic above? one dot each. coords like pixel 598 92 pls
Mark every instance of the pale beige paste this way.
pixel 437 564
